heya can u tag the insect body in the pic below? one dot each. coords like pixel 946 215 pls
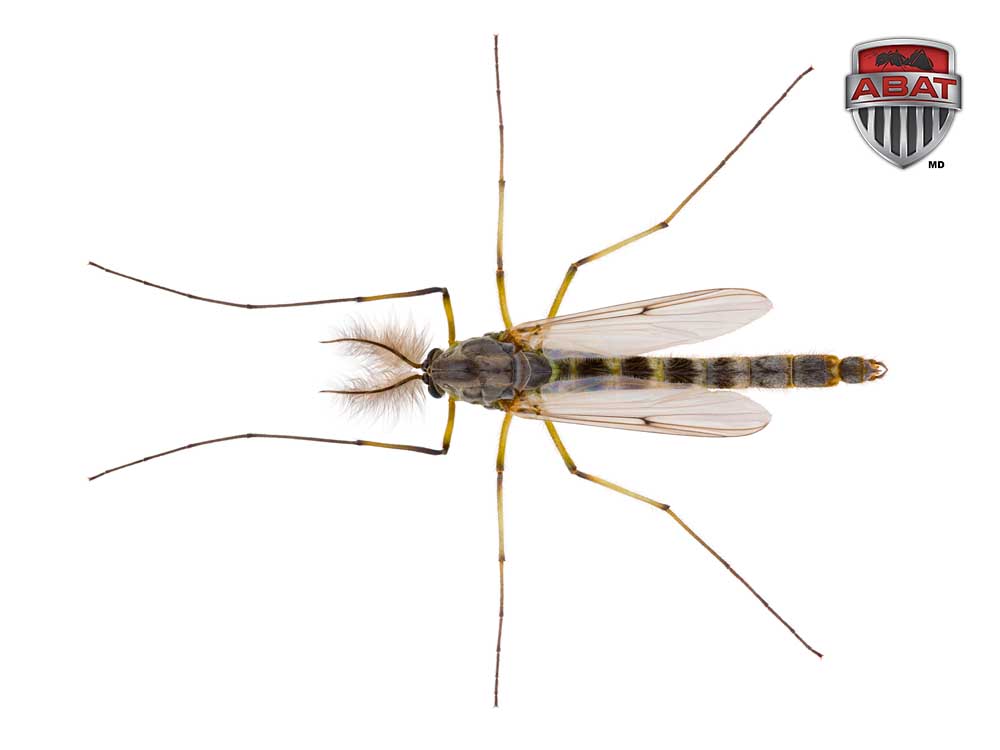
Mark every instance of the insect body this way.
pixel 527 369
pixel 594 368
pixel 896 58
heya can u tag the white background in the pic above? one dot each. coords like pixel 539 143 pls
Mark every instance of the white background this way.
pixel 271 594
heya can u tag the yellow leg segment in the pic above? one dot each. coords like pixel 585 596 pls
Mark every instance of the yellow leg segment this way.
pixel 574 267
pixel 667 509
pixel 449 314
pixel 500 557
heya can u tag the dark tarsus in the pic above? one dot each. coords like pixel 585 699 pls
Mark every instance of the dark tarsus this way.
pixel 895 58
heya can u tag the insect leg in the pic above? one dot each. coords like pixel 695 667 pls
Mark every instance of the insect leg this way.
pixel 500 557
pixel 501 287
pixel 666 509
pixel 574 267
pixel 445 443
pixel 445 298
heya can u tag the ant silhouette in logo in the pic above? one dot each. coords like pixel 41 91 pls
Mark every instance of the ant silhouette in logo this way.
pixel 895 58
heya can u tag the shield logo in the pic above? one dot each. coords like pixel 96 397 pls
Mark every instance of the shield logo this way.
pixel 903 95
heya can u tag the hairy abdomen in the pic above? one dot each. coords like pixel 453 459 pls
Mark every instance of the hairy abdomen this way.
pixel 770 371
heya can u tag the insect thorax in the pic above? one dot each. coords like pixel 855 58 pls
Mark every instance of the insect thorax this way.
pixel 484 371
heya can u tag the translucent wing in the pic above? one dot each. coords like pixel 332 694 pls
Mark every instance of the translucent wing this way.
pixel 645 326
pixel 630 404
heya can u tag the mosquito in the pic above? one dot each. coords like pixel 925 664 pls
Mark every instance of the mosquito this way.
pixel 588 368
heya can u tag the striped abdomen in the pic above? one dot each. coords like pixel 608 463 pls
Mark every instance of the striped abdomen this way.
pixel 771 371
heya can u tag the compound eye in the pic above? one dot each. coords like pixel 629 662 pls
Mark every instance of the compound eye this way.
pixel 433 389
pixel 431 356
